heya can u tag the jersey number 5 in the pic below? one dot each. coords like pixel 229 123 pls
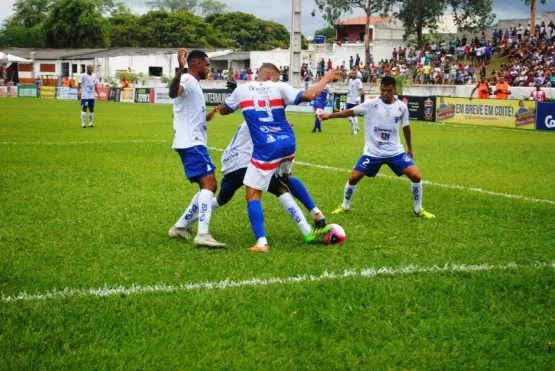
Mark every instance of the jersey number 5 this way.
pixel 267 109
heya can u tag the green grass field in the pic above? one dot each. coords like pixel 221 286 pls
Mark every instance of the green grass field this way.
pixel 88 209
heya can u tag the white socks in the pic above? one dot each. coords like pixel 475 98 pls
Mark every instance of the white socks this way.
pixel 348 195
pixel 205 210
pixel 416 189
pixel 292 208
pixel 188 218
pixel 315 212
pixel 83 118
pixel 355 124
pixel 91 116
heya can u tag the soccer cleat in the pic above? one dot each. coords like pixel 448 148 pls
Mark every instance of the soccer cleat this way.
pixel 316 234
pixel 340 210
pixel 256 248
pixel 206 240
pixel 91 126
pixel 320 221
pixel 83 126
pixel 424 214
pixel 176 232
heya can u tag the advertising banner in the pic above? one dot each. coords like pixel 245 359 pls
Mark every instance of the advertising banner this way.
pixel 48 92
pixel 162 96
pixel 420 108
pixel 8 91
pixel 142 95
pixel 127 95
pixel 488 112
pixel 24 91
pixel 66 93
pixel 214 97
pixel 103 94
pixel 114 95
pixel 545 116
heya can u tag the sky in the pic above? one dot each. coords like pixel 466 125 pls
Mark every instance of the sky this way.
pixel 268 9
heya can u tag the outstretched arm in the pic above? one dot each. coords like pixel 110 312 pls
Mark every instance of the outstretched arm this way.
pixel 408 139
pixel 337 115
pixel 315 90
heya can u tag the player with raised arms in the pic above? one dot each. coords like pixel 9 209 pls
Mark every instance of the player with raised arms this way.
pixel 319 105
pixel 86 92
pixel 382 117
pixel 354 94
pixel 189 123
pixel 235 161
pixel 263 105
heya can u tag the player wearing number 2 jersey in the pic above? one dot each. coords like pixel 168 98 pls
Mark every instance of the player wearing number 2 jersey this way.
pixel 263 105
pixel 382 117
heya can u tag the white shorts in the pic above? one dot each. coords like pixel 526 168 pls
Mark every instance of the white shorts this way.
pixel 259 175
pixel 318 111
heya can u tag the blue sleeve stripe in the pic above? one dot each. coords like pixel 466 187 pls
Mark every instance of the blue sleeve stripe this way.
pixel 298 98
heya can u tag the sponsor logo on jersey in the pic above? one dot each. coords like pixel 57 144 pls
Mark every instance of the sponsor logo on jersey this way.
pixel 275 129
pixel 270 139
pixel 264 129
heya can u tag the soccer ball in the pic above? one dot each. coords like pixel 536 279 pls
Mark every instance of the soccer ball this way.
pixel 335 236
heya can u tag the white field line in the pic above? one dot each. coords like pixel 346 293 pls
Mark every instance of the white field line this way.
pixel 301 163
pixel 227 284
pixel 441 185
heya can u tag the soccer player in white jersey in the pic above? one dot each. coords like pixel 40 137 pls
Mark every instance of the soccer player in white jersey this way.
pixel 86 92
pixel 263 105
pixel 189 123
pixel 235 161
pixel 354 94
pixel 382 117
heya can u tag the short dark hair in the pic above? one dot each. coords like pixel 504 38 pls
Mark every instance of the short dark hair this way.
pixel 269 67
pixel 389 81
pixel 196 54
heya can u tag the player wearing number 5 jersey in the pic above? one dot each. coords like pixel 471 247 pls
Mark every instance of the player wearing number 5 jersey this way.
pixel 263 105
pixel 86 92
pixel 382 117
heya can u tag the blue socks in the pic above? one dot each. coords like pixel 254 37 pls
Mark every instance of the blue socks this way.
pixel 317 125
pixel 299 191
pixel 256 217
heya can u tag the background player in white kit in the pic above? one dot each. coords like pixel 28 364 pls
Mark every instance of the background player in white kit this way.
pixel 354 94
pixel 235 161
pixel 86 92
pixel 382 117
pixel 189 123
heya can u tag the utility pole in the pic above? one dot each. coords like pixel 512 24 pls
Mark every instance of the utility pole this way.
pixel 295 45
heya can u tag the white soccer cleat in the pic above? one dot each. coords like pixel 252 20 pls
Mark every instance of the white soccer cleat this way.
pixel 176 232
pixel 206 240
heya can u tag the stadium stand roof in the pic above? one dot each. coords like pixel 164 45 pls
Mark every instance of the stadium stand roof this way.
pixel 69 54
pixel 233 57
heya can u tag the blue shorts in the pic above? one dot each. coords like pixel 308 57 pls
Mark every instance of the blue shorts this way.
pixel 371 165
pixel 87 103
pixel 350 105
pixel 234 180
pixel 196 162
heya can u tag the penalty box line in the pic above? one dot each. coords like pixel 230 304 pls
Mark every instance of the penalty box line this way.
pixel 108 291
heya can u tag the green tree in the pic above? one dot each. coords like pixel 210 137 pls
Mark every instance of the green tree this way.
pixel 328 32
pixel 333 10
pixel 246 32
pixel 76 24
pixel 29 13
pixel 200 7
pixel 209 7
pixel 24 28
pixel 125 30
pixel 162 29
